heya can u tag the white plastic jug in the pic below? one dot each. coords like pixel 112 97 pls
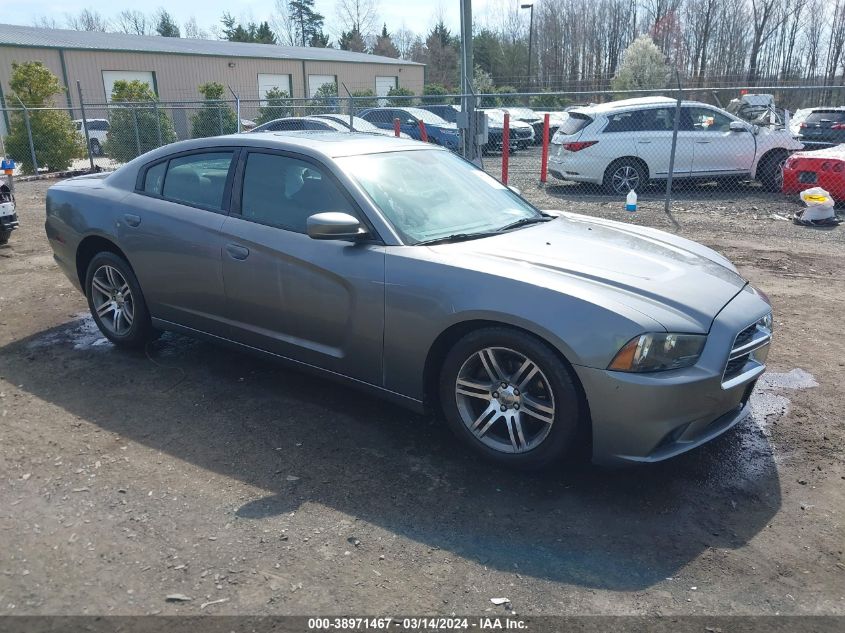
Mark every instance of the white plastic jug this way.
pixel 631 201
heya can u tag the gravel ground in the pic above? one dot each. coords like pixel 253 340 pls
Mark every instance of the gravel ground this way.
pixel 194 470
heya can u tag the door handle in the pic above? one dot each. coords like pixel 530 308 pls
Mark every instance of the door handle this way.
pixel 237 252
pixel 132 220
pixel 643 142
pixel 702 142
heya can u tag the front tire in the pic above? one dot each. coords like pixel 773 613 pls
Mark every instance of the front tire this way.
pixel 4 237
pixel 96 148
pixel 510 398
pixel 116 301
pixel 770 171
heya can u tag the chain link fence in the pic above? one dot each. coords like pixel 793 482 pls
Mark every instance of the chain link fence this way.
pixel 666 145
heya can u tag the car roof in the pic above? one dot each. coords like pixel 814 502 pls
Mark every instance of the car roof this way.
pixel 624 105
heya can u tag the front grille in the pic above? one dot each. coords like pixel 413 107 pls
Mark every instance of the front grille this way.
pixel 742 356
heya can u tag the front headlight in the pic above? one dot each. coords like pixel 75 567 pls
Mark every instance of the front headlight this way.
pixel 658 352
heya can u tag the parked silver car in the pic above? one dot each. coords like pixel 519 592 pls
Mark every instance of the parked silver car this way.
pixel 398 267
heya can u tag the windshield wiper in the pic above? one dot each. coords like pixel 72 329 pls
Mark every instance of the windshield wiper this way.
pixel 457 237
pixel 524 222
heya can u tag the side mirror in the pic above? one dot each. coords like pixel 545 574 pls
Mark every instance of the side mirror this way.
pixel 334 226
pixel 738 126
pixel 515 190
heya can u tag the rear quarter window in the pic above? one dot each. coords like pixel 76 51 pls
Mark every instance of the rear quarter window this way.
pixel 574 123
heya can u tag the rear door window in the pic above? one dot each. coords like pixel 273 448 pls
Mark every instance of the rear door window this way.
pixel 658 119
pixel 154 178
pixel 574 123
pixel 197 179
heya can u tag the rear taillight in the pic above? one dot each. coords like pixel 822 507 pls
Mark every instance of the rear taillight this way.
pixel 838 126
pixel 825 166
pixel 839 167
pixel 803 125
pixel 577 146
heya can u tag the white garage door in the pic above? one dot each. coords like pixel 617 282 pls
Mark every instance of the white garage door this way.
pixel 385 85
pixel 315 81
pixel 111 76
pixel 266 83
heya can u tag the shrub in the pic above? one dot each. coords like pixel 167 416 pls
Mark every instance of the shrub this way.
pixel 153 125
pixel 277 104
pixel 548 102
pixel 54 135
pixel 435 94
pixel 400 103
pixel 362 102
pixel 324 100
pixel 215 116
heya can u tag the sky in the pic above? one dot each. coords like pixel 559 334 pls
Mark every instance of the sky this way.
pixel 417 15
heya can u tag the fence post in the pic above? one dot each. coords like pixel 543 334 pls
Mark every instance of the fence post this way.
pixel 423 133
pixel 351 113
pixel 667 204
pixel 544 161
pixel 85 126
pixel 238 113
pixel 506 146
pixel 397 127
pixel 137 134
pixel 220 118
pixel 158 123
pixel 29 136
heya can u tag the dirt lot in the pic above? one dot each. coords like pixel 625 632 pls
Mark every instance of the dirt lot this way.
pixel 195 470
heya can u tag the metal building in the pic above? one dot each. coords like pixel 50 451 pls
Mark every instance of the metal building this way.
pixel 175 67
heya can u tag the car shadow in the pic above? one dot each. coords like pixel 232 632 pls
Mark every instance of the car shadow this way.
pixel 260 423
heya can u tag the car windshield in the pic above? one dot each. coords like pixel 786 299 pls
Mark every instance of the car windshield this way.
pixel 431 194
pixel 428 117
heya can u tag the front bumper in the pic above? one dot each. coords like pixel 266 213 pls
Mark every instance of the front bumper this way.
pixel 9 222
pixel 652 417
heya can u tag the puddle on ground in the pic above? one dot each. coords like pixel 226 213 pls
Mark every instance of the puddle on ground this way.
pixel 82 333
pixel 769 397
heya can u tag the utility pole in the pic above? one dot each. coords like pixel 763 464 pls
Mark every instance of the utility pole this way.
pixel 468 120
pixel 530 7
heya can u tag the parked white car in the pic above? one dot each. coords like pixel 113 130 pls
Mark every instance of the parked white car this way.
pixel 98 131
pixel 622 145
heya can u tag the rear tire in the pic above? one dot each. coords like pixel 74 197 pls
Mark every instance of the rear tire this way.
pixel 4 237
pixel 509 397
pixel 116 301
pixel 623 175
pixel 96 148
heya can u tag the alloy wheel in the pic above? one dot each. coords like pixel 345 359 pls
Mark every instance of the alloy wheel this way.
pixel 505 400
pixel 112 299
pixel 625 178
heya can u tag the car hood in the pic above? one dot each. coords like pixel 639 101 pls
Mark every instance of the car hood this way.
pixel 658 274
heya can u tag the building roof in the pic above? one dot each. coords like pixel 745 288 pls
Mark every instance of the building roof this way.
pixel 30 36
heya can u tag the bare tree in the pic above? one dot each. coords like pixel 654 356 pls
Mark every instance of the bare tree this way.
pixel 134 22
pixel 86 20
pixel 44 22
pixel 193 31
pixel 361 16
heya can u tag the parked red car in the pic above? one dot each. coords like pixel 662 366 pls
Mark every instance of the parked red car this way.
pixel 823 168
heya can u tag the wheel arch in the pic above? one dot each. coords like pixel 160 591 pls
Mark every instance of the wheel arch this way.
pixel 88 249
pixel 635 159
pixel 770 154
pixel 447 338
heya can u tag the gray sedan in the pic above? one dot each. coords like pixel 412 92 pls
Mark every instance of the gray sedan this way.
pixel 398 267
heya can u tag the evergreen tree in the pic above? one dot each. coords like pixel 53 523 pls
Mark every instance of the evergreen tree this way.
pixel 215 116
pixel 352 41
pixel 277 104
pixel 53 133
pixel 254 33
pixel 165 25
pixel 154 126
pixel 307 23
pixel 384 44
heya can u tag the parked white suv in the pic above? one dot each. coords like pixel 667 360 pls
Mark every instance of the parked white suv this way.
pixel 98 131
pixel 622 145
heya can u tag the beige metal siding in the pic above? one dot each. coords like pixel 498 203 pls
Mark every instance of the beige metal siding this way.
pixel 10 54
